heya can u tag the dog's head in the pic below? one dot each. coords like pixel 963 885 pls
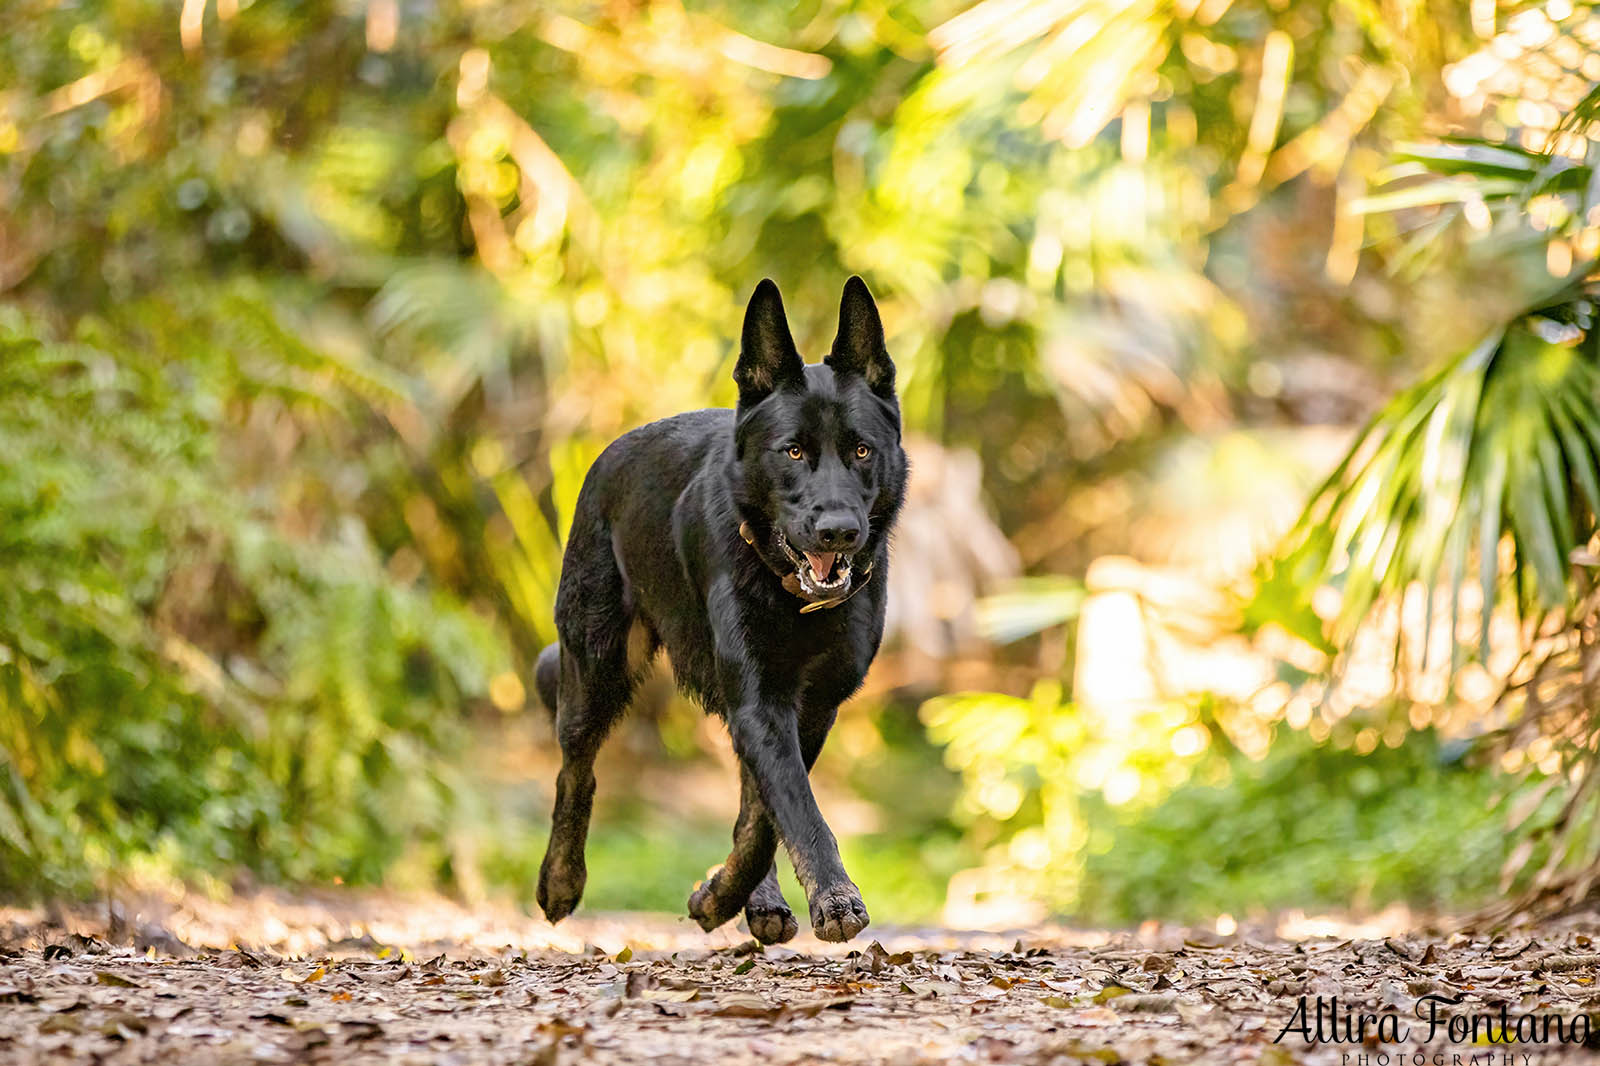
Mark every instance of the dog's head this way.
pixel 817 448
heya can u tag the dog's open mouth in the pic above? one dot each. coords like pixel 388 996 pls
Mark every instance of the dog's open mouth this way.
pixel 820 573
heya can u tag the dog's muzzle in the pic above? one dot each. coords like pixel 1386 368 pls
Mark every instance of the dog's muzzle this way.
pixel 819 592
pixel 806 565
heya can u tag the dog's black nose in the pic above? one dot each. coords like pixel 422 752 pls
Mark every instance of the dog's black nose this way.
pixel 838 532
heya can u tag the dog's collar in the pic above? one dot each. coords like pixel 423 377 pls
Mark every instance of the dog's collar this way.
pixel 791 582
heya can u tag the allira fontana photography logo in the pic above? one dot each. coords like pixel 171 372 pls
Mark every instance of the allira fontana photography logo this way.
pixel 1437 1019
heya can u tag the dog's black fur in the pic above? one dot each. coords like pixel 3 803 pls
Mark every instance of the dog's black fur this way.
pixel 706 534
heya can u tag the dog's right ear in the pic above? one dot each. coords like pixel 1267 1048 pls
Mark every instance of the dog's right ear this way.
pixel 767 356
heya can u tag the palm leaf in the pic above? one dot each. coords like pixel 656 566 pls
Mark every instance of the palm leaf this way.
pixel 1583 115
pixel 1465 170
pixel 1029 606
pixel 1498 447
pixel 1475 157
pixel 1439 193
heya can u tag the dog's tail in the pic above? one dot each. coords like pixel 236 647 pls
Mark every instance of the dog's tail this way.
pixel 547 676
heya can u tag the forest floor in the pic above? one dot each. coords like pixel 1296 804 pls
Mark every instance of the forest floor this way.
pixel 358 979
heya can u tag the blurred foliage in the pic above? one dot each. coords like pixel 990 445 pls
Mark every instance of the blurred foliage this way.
pixel 179 678
pixel 1501 441
pixel 1027 764
pixel 317 312
pixel 1479 488
pixel 1309 826
pixel 1122 817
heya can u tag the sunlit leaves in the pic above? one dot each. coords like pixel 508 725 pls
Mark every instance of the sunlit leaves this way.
pixel 1494 454
pixel 1027 764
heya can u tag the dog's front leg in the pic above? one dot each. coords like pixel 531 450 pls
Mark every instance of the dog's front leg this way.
pixel 766 739
pixel 725 890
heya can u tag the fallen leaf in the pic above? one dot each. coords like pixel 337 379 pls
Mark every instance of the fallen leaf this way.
pixel 559 1027
pixel 811 1010
pixel 1150 1003
pixel 106 977
pixel 1097 1016
pixel 742 1005
pixel 123 1025
pixel 1111 991
pixel 64 1006
pixel 357 1031
pixel 873 959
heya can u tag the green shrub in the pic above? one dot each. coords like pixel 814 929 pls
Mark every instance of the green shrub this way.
pixel 1313 826
pixel 203 662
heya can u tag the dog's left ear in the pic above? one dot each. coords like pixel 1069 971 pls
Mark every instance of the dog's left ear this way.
pixel 859 347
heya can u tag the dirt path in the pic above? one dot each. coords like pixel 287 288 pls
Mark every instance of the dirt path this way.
pixel 385 981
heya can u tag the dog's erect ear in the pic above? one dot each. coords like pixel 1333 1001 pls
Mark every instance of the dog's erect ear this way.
pixel 859 347
pixel 767 356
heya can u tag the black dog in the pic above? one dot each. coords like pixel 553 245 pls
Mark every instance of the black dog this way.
pixel 753 545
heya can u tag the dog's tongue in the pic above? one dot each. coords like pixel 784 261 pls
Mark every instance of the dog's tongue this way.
pixel 821 563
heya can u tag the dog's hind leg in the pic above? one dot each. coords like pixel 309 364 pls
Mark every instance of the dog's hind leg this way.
pixel 596 682
pixel 768 914
pixel 746 875
pixel 590 700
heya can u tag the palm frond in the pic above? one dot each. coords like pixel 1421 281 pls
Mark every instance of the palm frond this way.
pixel 1503 177
pixel 1584 114
pixel 1495 453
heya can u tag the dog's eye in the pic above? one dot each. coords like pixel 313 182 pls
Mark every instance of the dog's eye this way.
pixel 796 452
pixel 862 451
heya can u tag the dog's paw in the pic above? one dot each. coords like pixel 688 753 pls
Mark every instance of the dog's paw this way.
pixel 706 907
pixel 838 913
pixel 769 917
pixel 560 888
pixel 771 925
